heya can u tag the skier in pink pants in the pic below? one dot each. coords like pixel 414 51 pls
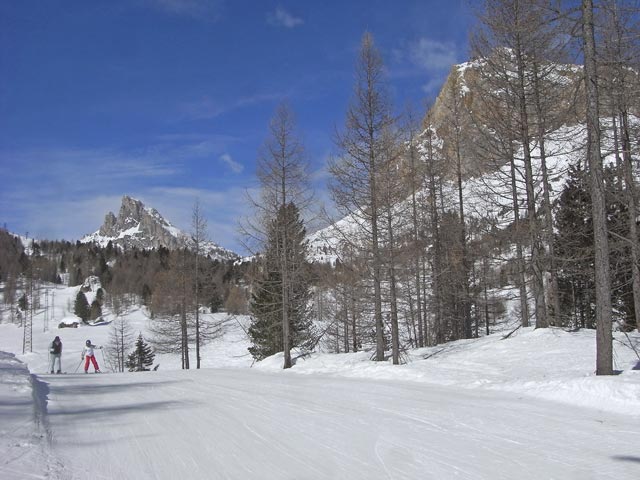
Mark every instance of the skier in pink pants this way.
pixel 88 355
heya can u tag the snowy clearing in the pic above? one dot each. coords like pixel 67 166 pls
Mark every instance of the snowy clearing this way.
pixel 528 406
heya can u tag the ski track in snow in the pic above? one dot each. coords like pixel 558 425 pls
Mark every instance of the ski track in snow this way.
pixel 235 424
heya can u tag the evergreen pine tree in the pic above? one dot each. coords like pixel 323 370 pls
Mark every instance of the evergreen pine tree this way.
pixel 100 296
pixel 300 294
pixel 96 310
pixel 146 295
pixel 620 257
pixel 574 246
pixel 81 307
pixel 574 241
pixel 266 304
pixel 142 356
pixel 23 303
pixel 215 302
pixel 265 331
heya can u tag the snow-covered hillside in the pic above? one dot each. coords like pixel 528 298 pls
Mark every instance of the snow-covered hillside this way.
pixel 488 196
pixel 526 406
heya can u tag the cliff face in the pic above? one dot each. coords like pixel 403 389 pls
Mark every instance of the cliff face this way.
pixel 480 93
pixel 143 228
pixel 137 226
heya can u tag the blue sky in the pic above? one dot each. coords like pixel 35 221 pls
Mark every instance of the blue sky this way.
pixel 169 100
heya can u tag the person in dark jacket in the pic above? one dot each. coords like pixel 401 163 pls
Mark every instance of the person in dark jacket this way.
pixel 55 353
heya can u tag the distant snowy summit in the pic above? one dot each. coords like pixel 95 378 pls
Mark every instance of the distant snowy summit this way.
pixel 141 227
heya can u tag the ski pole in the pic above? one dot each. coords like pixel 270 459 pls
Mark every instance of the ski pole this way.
pixel 78 366
pixel 104 363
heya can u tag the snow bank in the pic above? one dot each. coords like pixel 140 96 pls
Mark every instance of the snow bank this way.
pixel 545 363
pixel 23 429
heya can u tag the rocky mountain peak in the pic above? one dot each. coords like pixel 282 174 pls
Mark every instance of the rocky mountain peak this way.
pixel 108 228
pixel 144 228
pixel 131 212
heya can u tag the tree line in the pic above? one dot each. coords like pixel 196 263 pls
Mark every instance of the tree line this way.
pixel 171 284
pixel 521 174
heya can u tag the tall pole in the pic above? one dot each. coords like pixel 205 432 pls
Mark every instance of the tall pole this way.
pixel 46 310
pixel 27 339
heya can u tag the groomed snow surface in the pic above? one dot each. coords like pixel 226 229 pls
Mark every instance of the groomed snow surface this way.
pixel 525 407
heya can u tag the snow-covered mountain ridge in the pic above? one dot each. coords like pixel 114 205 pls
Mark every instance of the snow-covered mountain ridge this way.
pixel 144 228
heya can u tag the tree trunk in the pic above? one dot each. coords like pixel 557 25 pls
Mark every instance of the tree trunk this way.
pixel 354 321
pixel 285 305
pixel 554 305
pixel 630 188
pixel 197 311
pixel 393 295
pixel 416 244
pixel 465 304
pixel 183 314
pixel 604 338
pixel 522 281
pixel 525 140
pixel 435 232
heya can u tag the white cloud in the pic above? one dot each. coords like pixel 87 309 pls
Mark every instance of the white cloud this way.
pixel 433 55
pixel 201 9
pixel 282 18
pixel 426 56
pixel 231 163
pixel 65 203
pixel 206 107
pixel 64 218
pixel 70 219
pixel 434 85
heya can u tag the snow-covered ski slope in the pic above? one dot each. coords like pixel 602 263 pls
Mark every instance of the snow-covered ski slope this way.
pixel 526 407
pixel 245 424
